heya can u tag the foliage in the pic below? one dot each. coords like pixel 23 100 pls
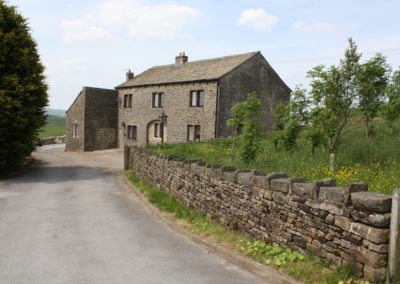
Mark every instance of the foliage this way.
pixel 300 105
pixel 290 118
pixel 246 114
pixel 269 253
pixel 392 107
pixel 23 91
pixel 333 93
pixel 372 81
pixel 291 132
pixel 374 160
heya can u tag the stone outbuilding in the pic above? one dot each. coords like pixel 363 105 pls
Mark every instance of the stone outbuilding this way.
pixel 195 98
pixel 92 120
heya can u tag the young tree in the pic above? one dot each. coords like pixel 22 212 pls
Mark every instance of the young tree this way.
pixel 23 91
pixel 300 106
pixel 246 114
pixel 372 80
pixel 333 93
pixel 392 107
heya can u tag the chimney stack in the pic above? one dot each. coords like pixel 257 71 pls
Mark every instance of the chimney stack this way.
pixel 129 75
pixel 181 59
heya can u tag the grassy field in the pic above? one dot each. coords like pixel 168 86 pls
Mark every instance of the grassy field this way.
pixel 375 160
pixel 55 126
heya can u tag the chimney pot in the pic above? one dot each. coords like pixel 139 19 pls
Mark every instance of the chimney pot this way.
pixel 129 75
pixel 181 59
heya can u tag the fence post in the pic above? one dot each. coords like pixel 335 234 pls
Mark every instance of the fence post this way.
pixel 394 243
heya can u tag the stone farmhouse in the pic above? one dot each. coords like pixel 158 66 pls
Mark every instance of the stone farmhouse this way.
pixel 196 97
pixel 183 101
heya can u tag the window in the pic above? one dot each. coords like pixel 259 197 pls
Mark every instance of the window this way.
pixel 158 100
pixel 75 130
pixel 132 132
pixel 197 98
pixel 128 100
pixel 157 129
pixel 193 132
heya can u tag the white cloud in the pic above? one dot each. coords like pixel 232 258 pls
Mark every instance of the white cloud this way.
pixel 134 18
pixel 258 19
pixel 317 27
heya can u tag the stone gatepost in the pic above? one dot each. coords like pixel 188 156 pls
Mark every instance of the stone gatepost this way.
pixel 394 243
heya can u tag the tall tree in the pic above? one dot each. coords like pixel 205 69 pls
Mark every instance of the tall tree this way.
pixel 23 91
pixel 392 107
pixel 333 94
pixel 372 80
pixel 246 115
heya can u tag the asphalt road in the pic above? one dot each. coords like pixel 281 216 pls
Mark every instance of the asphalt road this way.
pixel 71 218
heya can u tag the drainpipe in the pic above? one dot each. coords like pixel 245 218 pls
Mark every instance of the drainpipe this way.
pixel 217 110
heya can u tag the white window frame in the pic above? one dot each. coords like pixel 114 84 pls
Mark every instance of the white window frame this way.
pixel 193 132
pixel 197 98
pixel 158 100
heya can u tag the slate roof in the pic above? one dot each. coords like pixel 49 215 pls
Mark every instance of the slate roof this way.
pixel 202 70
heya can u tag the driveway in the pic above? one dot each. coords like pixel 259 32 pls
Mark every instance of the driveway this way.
pixel 71 218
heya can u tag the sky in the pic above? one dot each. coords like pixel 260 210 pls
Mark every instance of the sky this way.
pixel 95 42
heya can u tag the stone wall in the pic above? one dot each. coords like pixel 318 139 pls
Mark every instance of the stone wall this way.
pixel 76 115
pixel 101 119
pixel 339 225
pixel 53 140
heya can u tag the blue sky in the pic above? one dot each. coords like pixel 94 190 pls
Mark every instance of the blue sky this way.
pixel 95 42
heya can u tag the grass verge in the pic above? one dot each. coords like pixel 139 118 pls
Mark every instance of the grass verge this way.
pixel 305 268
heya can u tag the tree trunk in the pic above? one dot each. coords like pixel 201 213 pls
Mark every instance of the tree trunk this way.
pixel 366 127
pixel 332 162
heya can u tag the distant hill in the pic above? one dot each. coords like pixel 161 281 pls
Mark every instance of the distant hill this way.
pixel 55 112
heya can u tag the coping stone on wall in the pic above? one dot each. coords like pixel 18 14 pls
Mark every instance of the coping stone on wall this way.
pixel 259 179
pixel 244 177
pixel 193 164
pixel 213 171
pixel 280 185
pixel 322 183
pixel 332 195
pixel 275 175
pixel 296 180
pixel 351 188
pixel 201 167
pixel 372 202
pixel 228 173
pixel 303 189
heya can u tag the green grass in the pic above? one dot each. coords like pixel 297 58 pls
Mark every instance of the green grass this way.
pixel 55 126
pixel 374 160
pixel 304 268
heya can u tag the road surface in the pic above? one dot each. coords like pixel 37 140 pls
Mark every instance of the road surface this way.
pixel 70 218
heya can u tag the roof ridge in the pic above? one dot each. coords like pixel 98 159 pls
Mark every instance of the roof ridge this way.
pixel 198 70
pixel 208 59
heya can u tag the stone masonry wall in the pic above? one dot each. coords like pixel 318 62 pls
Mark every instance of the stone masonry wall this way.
pixel 176 107
pixel 339 225
pixel 255 75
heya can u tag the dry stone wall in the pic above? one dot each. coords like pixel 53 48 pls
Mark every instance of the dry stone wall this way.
pixel 53 140
pixel 339 225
